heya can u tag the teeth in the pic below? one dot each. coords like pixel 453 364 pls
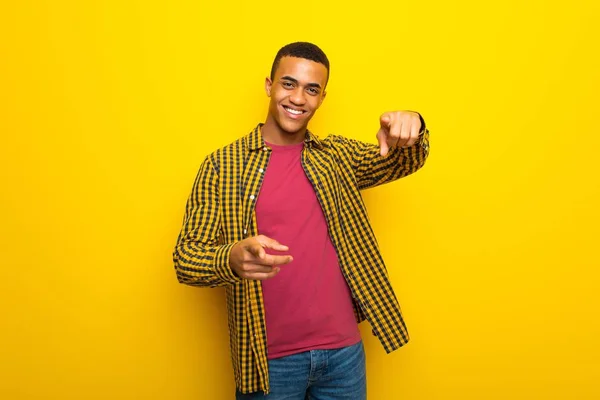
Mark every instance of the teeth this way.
pixel 295 112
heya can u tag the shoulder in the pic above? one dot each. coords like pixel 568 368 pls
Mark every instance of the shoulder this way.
pixel 228 150
pixel 228 154
pixel 341 143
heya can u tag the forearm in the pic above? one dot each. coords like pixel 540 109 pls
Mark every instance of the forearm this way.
pixel 200 259
pixel 202 265
pixel 374 169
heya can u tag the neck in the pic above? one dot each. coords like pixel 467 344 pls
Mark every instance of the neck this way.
pixel 272 133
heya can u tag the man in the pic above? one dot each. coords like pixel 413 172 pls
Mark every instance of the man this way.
pixel 277 218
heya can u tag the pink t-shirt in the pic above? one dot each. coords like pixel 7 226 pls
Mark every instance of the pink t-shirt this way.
pixel 308 304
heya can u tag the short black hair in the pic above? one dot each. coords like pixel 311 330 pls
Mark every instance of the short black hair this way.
pixel 305 50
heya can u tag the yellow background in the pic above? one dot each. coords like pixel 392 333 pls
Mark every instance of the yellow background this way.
pixel 108 107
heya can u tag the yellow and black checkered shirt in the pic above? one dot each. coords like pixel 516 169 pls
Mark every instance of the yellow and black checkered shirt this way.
pixel 220 212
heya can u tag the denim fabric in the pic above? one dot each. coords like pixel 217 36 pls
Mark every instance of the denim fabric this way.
pixel 317 375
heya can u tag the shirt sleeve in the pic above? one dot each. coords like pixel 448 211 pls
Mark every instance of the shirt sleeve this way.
pixel 199 258
pixel 371 169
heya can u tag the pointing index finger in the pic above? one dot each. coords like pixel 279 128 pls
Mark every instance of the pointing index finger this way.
pixel 273 260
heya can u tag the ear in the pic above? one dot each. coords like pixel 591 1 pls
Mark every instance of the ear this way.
pixel 268 85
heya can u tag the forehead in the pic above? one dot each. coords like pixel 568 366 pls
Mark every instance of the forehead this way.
pixel 301 69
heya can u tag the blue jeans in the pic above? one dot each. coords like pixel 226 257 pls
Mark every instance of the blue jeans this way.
pixel 317 375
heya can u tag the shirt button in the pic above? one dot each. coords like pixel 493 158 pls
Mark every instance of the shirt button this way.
pixel 245 231
pixel 252 196
pixel 265 148
pixel 261 170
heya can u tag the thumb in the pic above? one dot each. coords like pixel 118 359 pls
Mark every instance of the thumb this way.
pixel 256 249
pixel 271 243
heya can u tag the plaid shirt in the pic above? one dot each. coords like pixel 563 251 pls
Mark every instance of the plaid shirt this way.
pixel 220 212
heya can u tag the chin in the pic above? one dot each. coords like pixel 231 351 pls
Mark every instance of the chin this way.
pixel 291 127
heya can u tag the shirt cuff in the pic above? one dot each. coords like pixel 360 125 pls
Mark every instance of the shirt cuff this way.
pixel 222 268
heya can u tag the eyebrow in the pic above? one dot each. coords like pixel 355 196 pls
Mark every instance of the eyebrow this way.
pixel 289 78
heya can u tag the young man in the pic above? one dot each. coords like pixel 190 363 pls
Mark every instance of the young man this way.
pixel 277 218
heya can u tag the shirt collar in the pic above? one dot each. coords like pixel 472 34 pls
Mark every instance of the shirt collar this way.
pixel 255 141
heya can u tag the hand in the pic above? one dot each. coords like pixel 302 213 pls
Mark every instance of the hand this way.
pixel 249 260
pixel 398 128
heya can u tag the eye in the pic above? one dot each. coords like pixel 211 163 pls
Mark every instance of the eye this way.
pixel 313 91
pixel 287 84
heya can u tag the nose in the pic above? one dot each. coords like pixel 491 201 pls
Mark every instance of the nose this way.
pixel 297 97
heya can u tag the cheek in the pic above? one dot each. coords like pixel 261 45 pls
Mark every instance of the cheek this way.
pixel 274 99
pixel 315 103
pixel 279 96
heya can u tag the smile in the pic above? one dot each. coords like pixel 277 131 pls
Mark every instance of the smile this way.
pixel 293 112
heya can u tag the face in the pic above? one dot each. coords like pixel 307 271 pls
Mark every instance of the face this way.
pixel 296 92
